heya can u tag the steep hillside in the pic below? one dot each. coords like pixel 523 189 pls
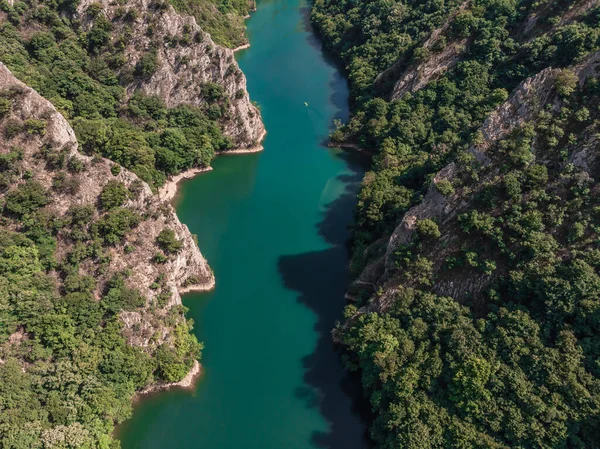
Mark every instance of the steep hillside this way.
pixel 140 83
pixel 100 104
pixel 222 19
pixel 444 69
pixel 190 68
pixel 91 263
pixel 474 314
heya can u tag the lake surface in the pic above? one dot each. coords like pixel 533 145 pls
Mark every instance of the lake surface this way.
pixel 273 226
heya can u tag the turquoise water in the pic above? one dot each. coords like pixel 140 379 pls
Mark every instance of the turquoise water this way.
pixel 273 226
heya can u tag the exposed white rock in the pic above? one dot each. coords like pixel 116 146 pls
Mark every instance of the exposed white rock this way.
pixel 183 69
pixel 157 215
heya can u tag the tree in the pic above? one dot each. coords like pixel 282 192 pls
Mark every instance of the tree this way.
pixel 113 195
pixel 147 65
pixel 428 229
pixel 168 241
pixel 565 82
pixel 26 198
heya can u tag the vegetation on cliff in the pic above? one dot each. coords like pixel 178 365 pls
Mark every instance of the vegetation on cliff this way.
pixel 70 361
pixel 475 323
pixel 223 19
pixel 82 72
pixel 90 259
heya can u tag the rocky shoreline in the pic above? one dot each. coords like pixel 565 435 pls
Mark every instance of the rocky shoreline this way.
pixel 169 190
pixel 187 383
pixel 241 47
pixel 168 193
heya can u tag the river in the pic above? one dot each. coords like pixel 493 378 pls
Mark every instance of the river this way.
pixel 273 226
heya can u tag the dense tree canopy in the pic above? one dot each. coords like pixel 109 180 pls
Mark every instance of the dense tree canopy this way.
pixel 511 359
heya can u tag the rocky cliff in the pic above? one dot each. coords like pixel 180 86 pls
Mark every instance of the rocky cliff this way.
pixel 187 62
pixel 536 97
pixel 444 47
pixel 145 326
pixel 93 261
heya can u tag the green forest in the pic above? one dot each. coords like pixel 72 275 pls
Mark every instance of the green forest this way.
pixel 222 19
pixel 512 359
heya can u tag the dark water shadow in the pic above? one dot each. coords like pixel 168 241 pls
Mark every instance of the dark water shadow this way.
pixel 321 279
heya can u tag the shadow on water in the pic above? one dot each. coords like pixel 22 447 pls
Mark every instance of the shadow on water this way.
pixel 321 279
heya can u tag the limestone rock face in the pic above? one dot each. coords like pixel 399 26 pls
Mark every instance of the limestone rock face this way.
pixel 136 251
pixel 523 106
pixel 410 76
pixel 187 60
pixel 418 75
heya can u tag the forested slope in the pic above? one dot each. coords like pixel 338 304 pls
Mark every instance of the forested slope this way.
pixel 100 103
pixel 475 322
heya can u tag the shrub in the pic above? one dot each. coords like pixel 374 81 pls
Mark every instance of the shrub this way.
pixel 147 65
pixel 113 195
pixel 512 186
pixel 582 115
pixel 5 107
pixel 75 165
pixel 213 92
pixel 428 229
pixel 63 183
pixel 168 242
pixel 13 128
pixel 537 175
pixel 26 198
pixel 576 231
pixel 565 82
pixel 444 187
pixel 159 258
pixel 116 224
pixel 35 127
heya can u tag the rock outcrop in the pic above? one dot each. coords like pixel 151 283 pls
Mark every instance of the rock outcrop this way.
pixel 145 326
pixel 523 106
pixel 187 59
pixel 418 75
pixel 412 76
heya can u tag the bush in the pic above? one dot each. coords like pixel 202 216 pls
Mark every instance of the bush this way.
pixel 35 127
pixel 5 107
pixel 159 258
pixel 116 224
pixel 113 195
pixel 168 242
pixel 444 187
pixel 63 183
pixel 75 165
pixel 537 175
pixel 428 229
pixel 565 82
pixel 13 128
pixel 213 92
pixel 26 198
pixel 147 65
